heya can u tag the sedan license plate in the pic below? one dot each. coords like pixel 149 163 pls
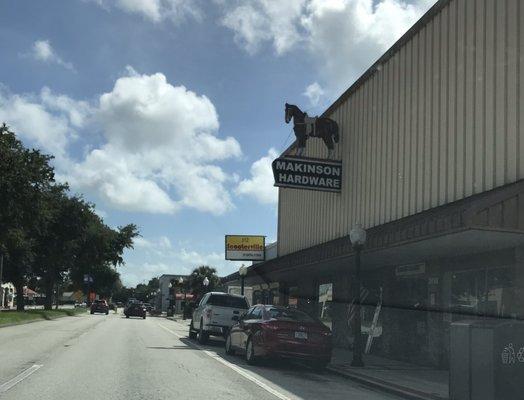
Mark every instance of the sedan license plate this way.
pixel 301 335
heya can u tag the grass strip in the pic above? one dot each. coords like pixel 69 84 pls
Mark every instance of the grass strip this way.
pixel 18 317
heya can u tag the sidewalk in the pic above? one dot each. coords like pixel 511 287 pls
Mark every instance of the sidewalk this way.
pixel 406 380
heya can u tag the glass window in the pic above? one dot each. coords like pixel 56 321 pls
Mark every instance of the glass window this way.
pixel 287 314
pixel 257 313
pixel 224 300
pixel 488 292
pixel 249 313
pixel 325 299
pixel 293 297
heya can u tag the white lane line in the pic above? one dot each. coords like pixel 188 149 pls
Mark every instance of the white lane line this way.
pixel 19 378
pixel 238 370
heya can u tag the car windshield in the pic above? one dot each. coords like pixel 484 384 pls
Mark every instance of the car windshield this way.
pixel 289 315
pixel 227 301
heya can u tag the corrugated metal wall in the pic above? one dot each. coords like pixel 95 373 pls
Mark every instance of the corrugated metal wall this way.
pixel 439 121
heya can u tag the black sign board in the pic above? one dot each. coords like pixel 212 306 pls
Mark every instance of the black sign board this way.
pixel 308 173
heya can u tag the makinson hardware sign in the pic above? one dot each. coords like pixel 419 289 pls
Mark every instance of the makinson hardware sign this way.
pixel 308 173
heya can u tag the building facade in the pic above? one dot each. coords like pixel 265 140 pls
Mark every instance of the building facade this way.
pixel 432 150
pixel 166 295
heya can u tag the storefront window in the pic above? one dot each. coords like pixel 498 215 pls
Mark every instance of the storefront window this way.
pixel 293 297
pixel 325 299
pixel 486 292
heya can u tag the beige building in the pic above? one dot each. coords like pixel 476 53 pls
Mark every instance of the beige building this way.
pixel 432 149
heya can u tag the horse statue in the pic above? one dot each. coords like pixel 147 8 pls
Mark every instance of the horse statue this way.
pixel 306 127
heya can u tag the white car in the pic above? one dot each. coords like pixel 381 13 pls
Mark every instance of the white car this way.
pixel 216 313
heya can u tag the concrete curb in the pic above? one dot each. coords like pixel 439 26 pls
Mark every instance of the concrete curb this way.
pixel 385 386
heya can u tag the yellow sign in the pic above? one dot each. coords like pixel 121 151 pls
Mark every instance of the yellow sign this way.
pixel 245 248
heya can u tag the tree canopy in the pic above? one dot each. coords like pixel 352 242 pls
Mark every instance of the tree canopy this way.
pixel 47 233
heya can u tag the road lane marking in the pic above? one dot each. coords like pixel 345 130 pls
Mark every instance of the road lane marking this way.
pixel 238 370
pixel 19 378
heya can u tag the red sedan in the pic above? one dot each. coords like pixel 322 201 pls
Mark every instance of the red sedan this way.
pixel 267 331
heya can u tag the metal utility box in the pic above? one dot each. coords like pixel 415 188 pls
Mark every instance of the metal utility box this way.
pixel 487 360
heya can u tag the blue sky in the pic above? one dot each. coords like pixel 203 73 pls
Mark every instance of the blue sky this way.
pixel 167 113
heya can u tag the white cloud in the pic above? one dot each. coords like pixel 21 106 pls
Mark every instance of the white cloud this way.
pixel 159 149
pixel 48 121
pixel 260 185
pixel 160 244
pixel 343 36
pixel 259 21
pixel 347 36
pixel 169 260
pixel 314 93
pixel 157 10
pixel 159 138
pixel 43 51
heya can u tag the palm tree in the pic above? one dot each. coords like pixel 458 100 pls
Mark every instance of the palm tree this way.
pixel 196 280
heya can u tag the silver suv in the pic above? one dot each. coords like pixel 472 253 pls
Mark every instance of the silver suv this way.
pixel 216 313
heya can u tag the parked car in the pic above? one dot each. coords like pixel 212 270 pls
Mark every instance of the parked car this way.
pixel 215 314
pixel 99 306
pixel 271 331
pixel 148 307
pixel 135 310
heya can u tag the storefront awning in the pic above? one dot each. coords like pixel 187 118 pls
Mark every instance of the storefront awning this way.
pixel 487 221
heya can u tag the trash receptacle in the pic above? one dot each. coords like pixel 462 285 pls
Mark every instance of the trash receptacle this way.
pixel 487 360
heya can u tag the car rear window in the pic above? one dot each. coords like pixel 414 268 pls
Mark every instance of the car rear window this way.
pixel 289 315
pixel 227 301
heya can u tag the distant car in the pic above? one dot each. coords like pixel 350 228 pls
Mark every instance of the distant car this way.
pixel 79 305
pixel 148 307
pixel 135 310
pixel 99 306
pixel 215 315
pixel 271 331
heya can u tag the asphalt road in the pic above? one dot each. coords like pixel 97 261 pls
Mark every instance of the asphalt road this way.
pixel 111 357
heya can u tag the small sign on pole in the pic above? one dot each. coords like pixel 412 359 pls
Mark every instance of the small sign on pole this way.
pixel 245 248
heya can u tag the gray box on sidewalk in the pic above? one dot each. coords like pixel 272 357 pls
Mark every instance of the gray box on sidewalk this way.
pixel 487 360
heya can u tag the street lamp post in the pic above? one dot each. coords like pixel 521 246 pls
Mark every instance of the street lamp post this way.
pixel 242 271
pixel 171 295
pixel 357 235
pixel 181 283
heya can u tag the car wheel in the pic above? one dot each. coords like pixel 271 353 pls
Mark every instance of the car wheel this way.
pixel 192 333
pixel 92 312
pixel 250 352
pixel 144 317
pixel 229 348
pixel 107 312
pixel 202 336
pixel 127 316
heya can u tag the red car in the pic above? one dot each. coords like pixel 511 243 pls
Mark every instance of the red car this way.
pixel 272 331
pixel 99 306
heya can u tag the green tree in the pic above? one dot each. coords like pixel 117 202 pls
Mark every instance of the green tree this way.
pixel 60 242
pixel 25 176
pixel 196 280
pixel 101 251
